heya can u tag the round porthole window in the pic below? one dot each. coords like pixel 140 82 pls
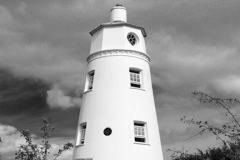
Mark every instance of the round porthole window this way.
pixel 107 131
pixel 132 39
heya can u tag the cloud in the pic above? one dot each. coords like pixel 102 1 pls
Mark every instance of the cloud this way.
pixel 172 109
pixel 28 47
pixel 57 98
pixel 228 85
pixel 27 53
pixel 66 93
pixel 211 22
pixel 23 101
pixel 181 65
pixel 11 140
pixel 40 61
pixel 6 17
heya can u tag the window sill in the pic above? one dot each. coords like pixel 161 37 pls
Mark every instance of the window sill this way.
pixel 142 143
pixel 137 88
pixel 87 91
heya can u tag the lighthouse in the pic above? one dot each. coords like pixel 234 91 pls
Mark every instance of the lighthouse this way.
pixel 118 119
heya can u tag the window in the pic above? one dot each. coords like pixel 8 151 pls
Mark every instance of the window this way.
pixel 140 132
pixel 83 132
pixel 135 78
pixel 107 131
pixel 90 80
pixel 132 39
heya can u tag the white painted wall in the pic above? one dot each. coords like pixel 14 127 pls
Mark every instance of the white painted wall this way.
pixel 113 103
pixel 115 37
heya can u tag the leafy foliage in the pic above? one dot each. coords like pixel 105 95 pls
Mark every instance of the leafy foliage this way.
pixel 230 148
pixel 30 151
pixel 209 154
pixel 65 147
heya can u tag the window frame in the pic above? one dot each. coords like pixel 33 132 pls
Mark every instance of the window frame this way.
pixel 89 84
pixel 132 39
pixel 136 78
pixel 91 75
pixel 140 127
pixel 82 133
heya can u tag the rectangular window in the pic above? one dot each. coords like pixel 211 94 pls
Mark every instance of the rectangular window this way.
pixel 90 80
pixel 140 132
pixel 83 132
pixel 135 78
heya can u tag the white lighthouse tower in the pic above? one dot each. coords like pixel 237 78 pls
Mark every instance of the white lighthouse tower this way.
pixel 118 118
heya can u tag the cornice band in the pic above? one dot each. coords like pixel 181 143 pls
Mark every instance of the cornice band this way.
pixel 118 52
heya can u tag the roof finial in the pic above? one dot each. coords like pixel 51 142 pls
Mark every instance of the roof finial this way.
pixel 119 5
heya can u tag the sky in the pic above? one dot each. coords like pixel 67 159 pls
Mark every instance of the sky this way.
pixel 193 44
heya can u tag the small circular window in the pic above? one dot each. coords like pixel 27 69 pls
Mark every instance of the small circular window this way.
pixel 107 131
pixel 132 39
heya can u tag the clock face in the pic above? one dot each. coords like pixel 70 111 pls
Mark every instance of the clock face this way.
pixel 107 131
pixel 132 39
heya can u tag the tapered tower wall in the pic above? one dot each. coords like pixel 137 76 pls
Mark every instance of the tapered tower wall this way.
pixel 113 103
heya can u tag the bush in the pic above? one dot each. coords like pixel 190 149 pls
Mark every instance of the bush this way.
pixel 230 149
pixel 31 151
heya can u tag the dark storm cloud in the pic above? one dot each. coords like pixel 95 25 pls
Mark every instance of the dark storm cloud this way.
pixel 21 96
pixel 23 103
pixel 65 122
